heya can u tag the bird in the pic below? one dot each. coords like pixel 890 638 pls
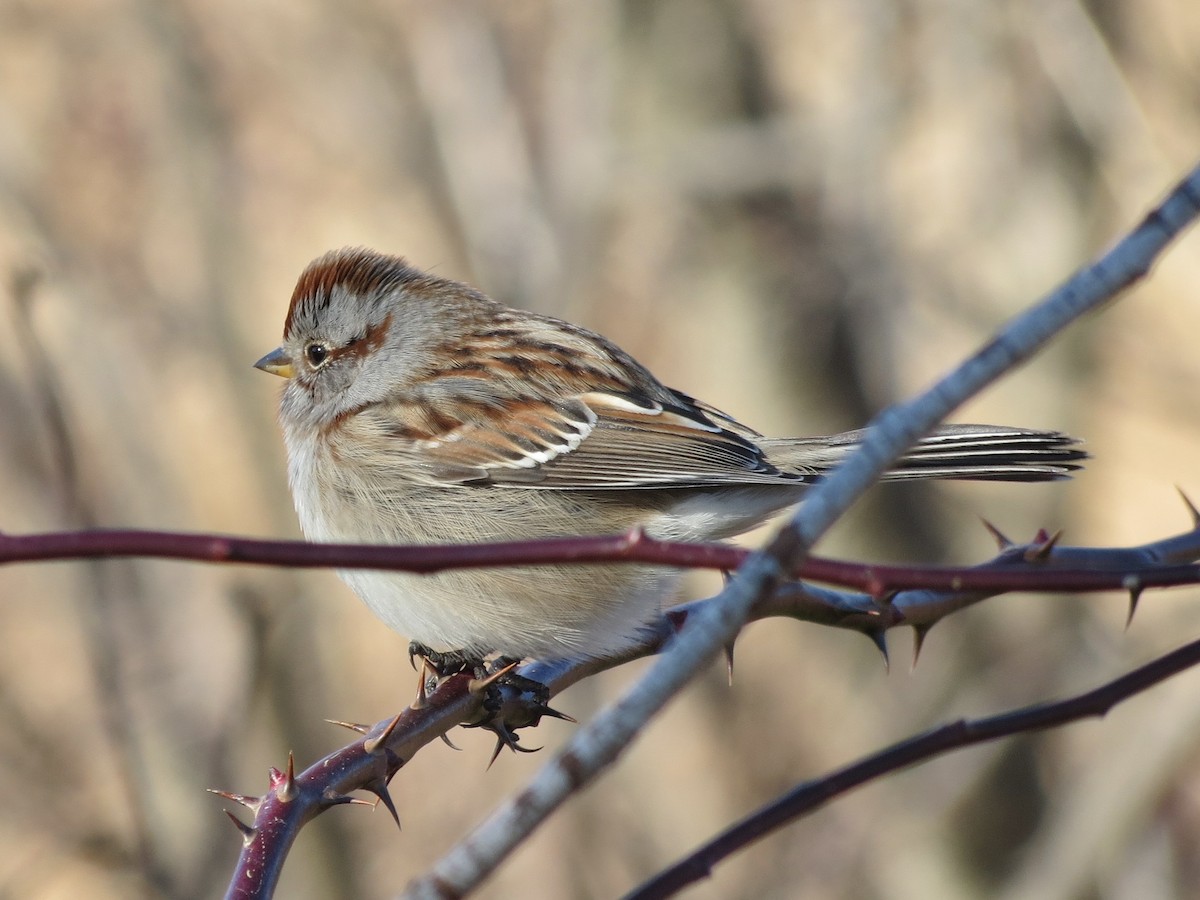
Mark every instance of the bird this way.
pixel 419 410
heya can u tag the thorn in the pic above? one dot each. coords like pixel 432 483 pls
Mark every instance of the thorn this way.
pixel 449 743
pixel 422 699
pixel 379 788
pixel 729 660
pixel 1042 547
pixel 1191 507
pixel 506 738
pixel 248 831
pixel 553 713
pixel 726 577
pixel 353 726
pixel 479 685
pixel 878 637
pixel 1000 537
pixel 920 632
pixel 288 791
pixel 1135 588
pixel 251 803
pixel 375 745
pixel 331 799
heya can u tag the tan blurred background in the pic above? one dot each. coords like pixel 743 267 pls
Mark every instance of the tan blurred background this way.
pixel 801 211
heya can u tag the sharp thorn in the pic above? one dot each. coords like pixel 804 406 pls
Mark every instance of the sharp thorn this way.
pixel 999 536
pixel 505 738
pixel 878 637
pixel 248 831
pixel 353 726
pixel 495 752
pixel 331 799
pixel 553 713
pixel 379 788
pixel 449 743
pixel 288 791
pixel 1042 547
pixel 375 745
pixel 729 661
pixel 479 685
pixel 920 632
pixel 422 699
pixel 1135 595
pixel 1191 507
pixel 251 803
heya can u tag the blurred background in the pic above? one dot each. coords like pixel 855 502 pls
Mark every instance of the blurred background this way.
pixel 801 211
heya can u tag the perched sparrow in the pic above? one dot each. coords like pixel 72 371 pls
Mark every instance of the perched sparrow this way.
pixel 419 411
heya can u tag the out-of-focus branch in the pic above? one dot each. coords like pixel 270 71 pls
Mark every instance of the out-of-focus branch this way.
pixel 810 795
pixel 598 744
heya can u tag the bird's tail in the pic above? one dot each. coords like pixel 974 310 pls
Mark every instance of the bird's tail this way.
pixel 965 452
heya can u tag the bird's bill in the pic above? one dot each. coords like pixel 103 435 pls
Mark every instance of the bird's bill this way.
pixel 277 362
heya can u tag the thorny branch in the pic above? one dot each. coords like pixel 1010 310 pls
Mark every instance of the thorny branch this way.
pixel 370 762
pixel 1061 571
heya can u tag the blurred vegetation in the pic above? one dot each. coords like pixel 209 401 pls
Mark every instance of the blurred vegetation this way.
pixel 799 211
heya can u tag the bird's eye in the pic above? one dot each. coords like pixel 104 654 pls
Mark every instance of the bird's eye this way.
pixel 316 354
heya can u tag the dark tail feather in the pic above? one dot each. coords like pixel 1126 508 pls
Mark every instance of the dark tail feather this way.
pixel 991 453
pixel 965 452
